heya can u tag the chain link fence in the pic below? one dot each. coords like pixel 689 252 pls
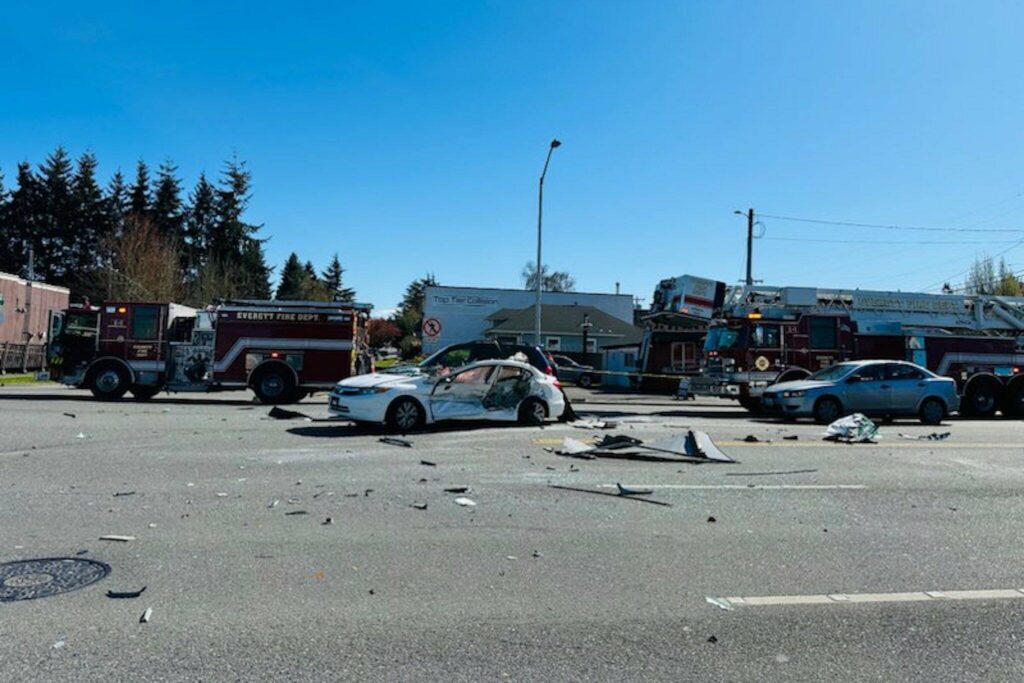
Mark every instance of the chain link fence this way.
pixel 22 357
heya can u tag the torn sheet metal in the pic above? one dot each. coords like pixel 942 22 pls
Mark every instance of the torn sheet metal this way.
pixel 855 428
pixel 575 447
pixel 693 444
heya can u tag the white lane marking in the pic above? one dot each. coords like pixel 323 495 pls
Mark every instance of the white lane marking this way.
pixel 743 487
pixel 853 598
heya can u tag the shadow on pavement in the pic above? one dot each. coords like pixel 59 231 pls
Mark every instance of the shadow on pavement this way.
pixel 349 429
pixel 197 401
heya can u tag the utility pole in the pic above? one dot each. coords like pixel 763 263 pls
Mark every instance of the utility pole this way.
pixel 750 247
pixel 586 332
pixel 540 215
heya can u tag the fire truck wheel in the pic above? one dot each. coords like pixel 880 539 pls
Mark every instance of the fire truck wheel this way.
pixel 404 415
pixel 979 399
pixel 109 381
pixel 144 393
pixel 827 410
pixel 1015 401
pixel 932 411
pixel 274 385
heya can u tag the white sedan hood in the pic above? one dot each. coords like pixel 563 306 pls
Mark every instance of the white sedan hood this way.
pixel 375 380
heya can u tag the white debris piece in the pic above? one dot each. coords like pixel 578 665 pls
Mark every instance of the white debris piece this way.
pixel 855 428
pixel 144 619
pixel 116 537
pixel 465 502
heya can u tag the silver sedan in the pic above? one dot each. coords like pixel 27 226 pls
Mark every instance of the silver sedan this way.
pixel 874 387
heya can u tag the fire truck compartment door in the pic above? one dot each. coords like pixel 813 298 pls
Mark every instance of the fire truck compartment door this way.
pixel 460 395
pixel 871 394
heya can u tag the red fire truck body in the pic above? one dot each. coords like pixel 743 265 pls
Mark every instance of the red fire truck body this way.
pixel 282 350
pixel 763 335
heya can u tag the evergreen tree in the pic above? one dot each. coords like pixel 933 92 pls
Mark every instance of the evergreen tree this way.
pixel 200 223
pixel 90 226
pixel 332 280
pixel 140 201
pixel 254 271
pixel 168 213
pixel 292 276
pixel 117 202
pixel 53 261
pixel 23 221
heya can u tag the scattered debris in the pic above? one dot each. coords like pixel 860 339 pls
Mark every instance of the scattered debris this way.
pixel 457 489
pixel 594 424
pixel 428 463
pixel 419 506
pixel 59 644
pixel 576 448
pixel 273 503
pixel 81 435
pixel 854 428
pixel 282 414
pixel 115 537
pixel 327 522
pixel 767 474
pixel 613 495
pixel 367 492
pixel 395 441
pixel 144 619
pixel 750 438
pixel 511 558
pixel 623 491
pixel 296 512
pixel 712 640
pixel 711 520
pixel 125 595
pixel 71 415
pixel 222 494
pixel 720 603
pixel 118 494
pixel 934 436
pixel 465 502
pixel 536 554
pixel 792 437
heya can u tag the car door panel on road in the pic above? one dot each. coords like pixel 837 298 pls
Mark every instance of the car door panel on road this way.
pixel 869 392
pixel 460 395
pixel 907 384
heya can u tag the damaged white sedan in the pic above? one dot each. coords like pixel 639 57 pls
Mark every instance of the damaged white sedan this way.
pixel 500 390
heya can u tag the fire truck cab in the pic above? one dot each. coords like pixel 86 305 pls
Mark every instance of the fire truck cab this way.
pixel 282 350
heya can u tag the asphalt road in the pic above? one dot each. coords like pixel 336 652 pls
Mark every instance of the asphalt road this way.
pixel 533 583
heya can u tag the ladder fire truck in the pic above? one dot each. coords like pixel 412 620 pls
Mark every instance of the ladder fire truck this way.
pixel 282 350
pixel 759 335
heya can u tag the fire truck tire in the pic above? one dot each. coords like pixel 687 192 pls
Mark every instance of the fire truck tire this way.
pixel 1014 406
pixel 404 415
pixel 932 412
pixel 274 385
pixel 109 381
pixel 980 399
pixel 827 410
pixel 143 392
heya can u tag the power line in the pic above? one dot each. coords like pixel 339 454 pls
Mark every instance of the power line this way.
pixel 964 272
pixel 882 226
pixel 914 242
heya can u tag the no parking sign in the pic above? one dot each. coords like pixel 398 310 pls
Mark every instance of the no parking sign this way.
pixel 431 328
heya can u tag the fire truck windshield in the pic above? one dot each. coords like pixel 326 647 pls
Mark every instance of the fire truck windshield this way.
pixel 721 338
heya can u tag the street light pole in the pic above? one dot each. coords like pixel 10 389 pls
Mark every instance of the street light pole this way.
pixel 539 269
pixel 750 244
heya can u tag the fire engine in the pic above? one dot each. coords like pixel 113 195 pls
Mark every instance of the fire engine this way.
pixel 282 350
pixel 759 335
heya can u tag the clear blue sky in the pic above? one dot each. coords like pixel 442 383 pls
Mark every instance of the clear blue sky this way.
pixel 409 137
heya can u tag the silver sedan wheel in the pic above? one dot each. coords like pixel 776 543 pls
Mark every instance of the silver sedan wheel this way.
pixel 407 415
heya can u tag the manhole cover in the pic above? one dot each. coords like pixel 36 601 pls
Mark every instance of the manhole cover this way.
pixel 30 579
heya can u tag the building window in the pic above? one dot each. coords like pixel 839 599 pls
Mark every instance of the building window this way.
pixel 553 343
pixel 508 340
pixel 684 356
pixel 591 346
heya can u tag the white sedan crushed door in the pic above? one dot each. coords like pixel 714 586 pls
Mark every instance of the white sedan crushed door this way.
pixel 459 396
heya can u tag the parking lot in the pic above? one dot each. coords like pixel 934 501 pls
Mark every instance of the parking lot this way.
pixel 245 578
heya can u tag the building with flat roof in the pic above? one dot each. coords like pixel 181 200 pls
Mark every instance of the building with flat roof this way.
pixel 563 328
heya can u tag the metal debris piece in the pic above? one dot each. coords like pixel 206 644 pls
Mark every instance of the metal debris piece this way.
pixel 617 441
pixel 125 595
pixel 712 639
pixel 81 435
pixel 457 489
pixel 295 512
pixel 367 492
pixel 576 448
pixel 428 463
pixel 613 495
pixel 623 491
pixel 327 522
pixel 71 415
pixel 282 414
pixel 694 444
pixel 854 428
pixel 116 537
pixel 594 424
pixel 711 520
pixel 395 441
pixel 118 494
pixel 419 506
pixel 144 619
pixel 720 603
pixel 934 436
pixel 750 438
pixel 465 502
pixel 793 437
pixel 273 503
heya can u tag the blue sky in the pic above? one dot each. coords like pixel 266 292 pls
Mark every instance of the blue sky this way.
pixel 408 137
